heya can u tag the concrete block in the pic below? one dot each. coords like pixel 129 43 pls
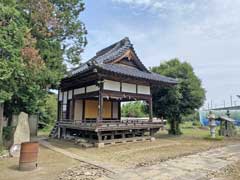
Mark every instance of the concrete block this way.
pixel 100 145
pixel 152 139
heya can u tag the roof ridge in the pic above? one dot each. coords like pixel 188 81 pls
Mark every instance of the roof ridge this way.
pixel 105 50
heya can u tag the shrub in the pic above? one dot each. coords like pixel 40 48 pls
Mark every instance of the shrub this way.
pixel 8 133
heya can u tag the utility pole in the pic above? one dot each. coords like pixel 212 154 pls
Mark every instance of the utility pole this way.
pixel 231 101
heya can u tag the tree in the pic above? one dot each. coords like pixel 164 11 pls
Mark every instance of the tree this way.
pixel 48 111
pixel 181 100
pixel 50 34
pixel 134 109
pixel 38 38
pixel 12 30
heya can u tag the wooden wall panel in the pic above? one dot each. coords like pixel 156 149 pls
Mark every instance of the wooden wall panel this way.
pixel 107 109
pixel 115 110
pixel 78 109
pixel 91 109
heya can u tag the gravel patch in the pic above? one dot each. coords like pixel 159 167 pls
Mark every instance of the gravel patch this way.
pixel 230 172
pixel 83 172
pixel 4 154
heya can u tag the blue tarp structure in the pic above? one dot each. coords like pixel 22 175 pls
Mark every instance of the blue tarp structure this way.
pixel 235 114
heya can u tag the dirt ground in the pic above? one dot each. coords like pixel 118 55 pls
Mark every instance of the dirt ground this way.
pixel 231 172
pixel 145 153
pixel 51 164
pixel 130 155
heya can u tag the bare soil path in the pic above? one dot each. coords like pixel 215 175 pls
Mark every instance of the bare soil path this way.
pixel 186 157
pixel 194 167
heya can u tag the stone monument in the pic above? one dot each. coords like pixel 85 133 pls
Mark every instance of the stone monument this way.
pixel 21 134
pixel 33 124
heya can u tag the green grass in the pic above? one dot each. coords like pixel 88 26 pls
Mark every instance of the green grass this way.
pixel 189 130
pixel 1 150
pixel 195 132
pixel 217 138
pixel 45 131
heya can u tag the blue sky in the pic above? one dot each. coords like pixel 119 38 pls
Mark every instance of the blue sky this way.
pixel 205 33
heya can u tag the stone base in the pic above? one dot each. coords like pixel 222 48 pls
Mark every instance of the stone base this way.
pixel 99 145
pixel 152 139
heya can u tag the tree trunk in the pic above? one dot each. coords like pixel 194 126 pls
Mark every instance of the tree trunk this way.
pixel 1 123
pixel 174 127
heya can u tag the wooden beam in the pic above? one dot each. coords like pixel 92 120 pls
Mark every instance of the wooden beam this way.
pixel 125 95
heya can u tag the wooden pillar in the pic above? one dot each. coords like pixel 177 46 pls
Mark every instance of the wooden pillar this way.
pixel 150 109
pixel 73 105
pixel 100 103
pixel 99 135
pixel 59 133
pixel 119 110
pixel 64 131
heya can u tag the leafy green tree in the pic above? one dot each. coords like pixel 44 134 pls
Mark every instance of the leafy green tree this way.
pixel 175 102
pixel 134 109
pixel 48 111
pixel 53 36
pixel 12 30
pixel 38 38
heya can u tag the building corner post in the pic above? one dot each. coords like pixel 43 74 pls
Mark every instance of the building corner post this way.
pixel 150 109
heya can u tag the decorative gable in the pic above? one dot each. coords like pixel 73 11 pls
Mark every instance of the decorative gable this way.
pixel 129 59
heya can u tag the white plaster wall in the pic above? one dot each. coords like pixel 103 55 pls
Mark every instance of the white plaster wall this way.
pixel 64 107
pixel 144 89
pixel 60 96
pixel 92 88
pixel 70 94
pixel 79 91
pixel 115 110
pixel 126 87
pixel 111 85
pixel 65 97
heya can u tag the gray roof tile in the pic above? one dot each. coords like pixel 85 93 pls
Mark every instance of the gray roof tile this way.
pixel 103 58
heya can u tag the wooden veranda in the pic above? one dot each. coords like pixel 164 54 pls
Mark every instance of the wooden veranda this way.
pixel 90 97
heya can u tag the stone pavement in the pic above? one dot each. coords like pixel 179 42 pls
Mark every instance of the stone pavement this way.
pixel 194 167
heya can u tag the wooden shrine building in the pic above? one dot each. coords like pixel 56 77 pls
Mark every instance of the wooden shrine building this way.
pixel 90 96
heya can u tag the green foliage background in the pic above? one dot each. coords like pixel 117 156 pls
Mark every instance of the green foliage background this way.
pixel 181 100
pixel 134 109
pixel 38 38
pixel 48 111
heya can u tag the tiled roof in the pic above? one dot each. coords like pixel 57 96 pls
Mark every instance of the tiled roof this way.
pixel 105 56
pixel 114 68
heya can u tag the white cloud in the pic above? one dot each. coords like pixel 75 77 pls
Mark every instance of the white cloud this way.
pixel 204 32
pixel 211 18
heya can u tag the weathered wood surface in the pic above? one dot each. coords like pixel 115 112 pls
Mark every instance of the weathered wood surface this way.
pixel 110 125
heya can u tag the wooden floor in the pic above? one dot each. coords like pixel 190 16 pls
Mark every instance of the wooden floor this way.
pixel 110 125
pixel 109 132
